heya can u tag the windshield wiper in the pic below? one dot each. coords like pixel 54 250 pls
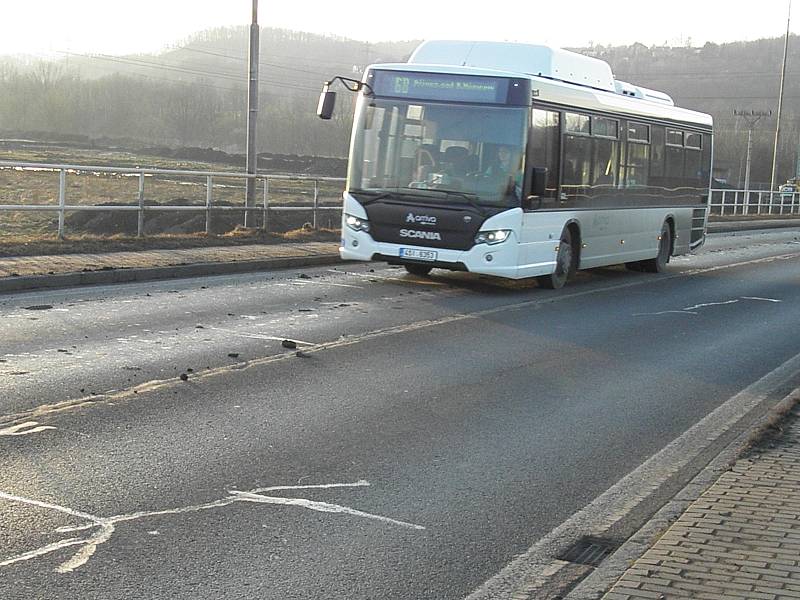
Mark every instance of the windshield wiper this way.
pixel 470 199
pixel 375 198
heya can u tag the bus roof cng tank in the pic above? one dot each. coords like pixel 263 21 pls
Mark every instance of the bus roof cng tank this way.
pixel 530 59
pixel 535 60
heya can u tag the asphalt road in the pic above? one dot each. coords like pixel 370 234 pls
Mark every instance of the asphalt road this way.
pixel 158 441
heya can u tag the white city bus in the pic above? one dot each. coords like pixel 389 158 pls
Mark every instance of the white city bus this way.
pixel 518 161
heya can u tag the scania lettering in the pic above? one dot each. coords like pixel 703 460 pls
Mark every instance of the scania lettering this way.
pixel 519 160
pixel 426 235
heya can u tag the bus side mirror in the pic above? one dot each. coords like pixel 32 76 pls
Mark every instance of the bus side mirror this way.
pixel 327 100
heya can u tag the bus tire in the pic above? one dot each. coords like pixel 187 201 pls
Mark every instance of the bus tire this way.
pixel 418 270
pixel 566 263
pixel 659 263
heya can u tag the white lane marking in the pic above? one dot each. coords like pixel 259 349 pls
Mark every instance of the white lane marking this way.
pixel 761 299
pixel 106 524
pixel 25 428
pixel 344 285
pixel 258 336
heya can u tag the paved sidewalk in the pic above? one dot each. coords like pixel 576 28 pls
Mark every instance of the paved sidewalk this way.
pixel 33 272
pixel 740 539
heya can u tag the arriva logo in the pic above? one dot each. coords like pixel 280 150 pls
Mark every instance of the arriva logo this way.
pixel 426 235
pixel 421 219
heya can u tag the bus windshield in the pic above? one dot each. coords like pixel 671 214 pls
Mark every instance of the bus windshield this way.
pixel 437 150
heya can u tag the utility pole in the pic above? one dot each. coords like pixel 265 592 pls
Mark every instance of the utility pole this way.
pixel 252 115
pixel 780 104
pixel 751 117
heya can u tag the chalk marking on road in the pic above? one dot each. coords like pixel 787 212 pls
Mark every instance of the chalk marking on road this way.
pixel 89 545
pixel 320 507
pixel 352 340
pixel 25 428
pixel 692 310
pixel 665 312
pixel 707 304
pixel 106 525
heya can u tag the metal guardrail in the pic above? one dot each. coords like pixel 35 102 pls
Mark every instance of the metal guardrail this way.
pixel 265 207
pixel 740 202
pixel 722 202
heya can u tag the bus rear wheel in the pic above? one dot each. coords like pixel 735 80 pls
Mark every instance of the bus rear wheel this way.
pixel 418 270
pixel 659 263
pixel 565 263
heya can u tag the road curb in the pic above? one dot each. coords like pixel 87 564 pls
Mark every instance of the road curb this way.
pixel 734 226
pixel 602 579
pixel 128 275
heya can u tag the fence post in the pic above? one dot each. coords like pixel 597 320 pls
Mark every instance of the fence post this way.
pixel 140 213
pixel 265 220
pixel 209 186
pixel 316 203
pixel 722 205
pixel 62 201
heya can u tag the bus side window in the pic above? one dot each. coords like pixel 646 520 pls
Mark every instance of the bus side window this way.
pixel 545 148
pixel 674 162
pixel 637 155
pixel 577 169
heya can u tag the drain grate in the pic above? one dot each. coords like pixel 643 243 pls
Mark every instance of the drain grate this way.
pixel 589 551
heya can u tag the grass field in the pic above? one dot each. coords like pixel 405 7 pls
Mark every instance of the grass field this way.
pixel 41 187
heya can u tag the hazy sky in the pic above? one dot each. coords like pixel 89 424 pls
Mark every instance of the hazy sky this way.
pixel 115 27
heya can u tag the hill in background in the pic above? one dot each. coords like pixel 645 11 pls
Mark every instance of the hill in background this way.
pixel 195 94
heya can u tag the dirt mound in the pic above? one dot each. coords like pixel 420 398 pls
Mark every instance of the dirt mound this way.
pixel 156 222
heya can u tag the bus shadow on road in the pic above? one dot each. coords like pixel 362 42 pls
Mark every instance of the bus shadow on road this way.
pixel 486 284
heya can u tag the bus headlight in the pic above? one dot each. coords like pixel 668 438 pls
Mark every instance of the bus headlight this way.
pixel 497 236
pixel 356 224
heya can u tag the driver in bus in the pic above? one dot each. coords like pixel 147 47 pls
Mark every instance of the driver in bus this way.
pixel 506 169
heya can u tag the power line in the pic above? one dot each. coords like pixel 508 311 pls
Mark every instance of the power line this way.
pixel 261 63
pixel 167 67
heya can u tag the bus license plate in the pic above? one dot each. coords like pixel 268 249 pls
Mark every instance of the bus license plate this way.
pixel 418 254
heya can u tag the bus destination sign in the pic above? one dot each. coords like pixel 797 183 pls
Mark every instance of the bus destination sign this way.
pixel 433 86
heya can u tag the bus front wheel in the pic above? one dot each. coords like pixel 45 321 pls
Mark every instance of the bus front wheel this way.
pixel 418 270
pixel 565 263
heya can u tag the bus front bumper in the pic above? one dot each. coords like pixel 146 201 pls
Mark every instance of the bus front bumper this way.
pixel 500 260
